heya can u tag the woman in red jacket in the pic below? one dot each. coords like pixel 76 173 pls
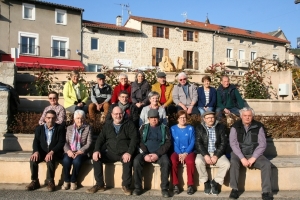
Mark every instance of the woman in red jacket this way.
pixel 123 85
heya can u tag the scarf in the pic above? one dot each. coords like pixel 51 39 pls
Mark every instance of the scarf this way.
pixel 76 138
pixel 123 107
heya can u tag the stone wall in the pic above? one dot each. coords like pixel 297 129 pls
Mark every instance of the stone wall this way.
pixel 7 73
pixel 4 111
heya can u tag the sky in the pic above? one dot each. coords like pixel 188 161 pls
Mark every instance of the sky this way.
pixel 257 15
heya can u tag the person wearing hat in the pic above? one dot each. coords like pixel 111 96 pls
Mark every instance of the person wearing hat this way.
pixel 210 145
pixel 155 142
pixel 100 96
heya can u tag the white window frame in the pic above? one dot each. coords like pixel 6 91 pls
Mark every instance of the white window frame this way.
pixel 119 46
pixel 27 34
pixel 97 66
pixel 241 50
pixel 254 56
pixel 26 5
pixel 231 54
pixel 65 16
pixel 97 44
pixel 241 73
pixel 64 39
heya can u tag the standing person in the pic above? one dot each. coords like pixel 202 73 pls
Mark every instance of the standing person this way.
pixel 123 85
pixel 54 105
pixel 48 143
pixel 229 99
pixel 248 143
pixel 100 96
pixel 75 94
pixel 183 137
pixel 120 139
pixel 210 145
pixel 185 95
pixel 155 142
pixel 207 96
pixel 140 89
pixel 78 142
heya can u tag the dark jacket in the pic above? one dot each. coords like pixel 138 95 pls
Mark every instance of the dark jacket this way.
pixel 229 97
pixel 165 144
pixel 126 141
pixel 201 143
pixel 212 97
pixel 133 110
pixel 140 93
pixel 57 142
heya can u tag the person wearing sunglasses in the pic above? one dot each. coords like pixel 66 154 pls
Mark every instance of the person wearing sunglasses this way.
pixel 185 95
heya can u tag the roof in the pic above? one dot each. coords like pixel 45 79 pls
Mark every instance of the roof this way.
pixel 109 26
pixel 214 27
pixel 53 4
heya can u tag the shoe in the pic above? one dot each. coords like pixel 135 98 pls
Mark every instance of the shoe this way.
pixel 65 186
pixel 35 184
pixel 51 186
pixel 74 186
pixel 176 189
pixel 137 192
pixel 215 187
pixel 190 190
pixel 234 194
pixel 95 188
pixel 267 196
pixel 207 187
pixel 165 193
pixel 126 190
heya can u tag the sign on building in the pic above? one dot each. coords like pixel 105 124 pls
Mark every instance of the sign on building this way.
pixel 122 62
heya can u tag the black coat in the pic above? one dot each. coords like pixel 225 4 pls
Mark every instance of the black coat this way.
pixel 134 114
pixel 140 93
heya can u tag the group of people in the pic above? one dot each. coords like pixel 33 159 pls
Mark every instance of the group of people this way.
pixel 135 132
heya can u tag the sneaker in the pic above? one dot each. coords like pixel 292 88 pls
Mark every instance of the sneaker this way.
pixel 137 192
pixel 95 188
pixel 126 190
pixel 74 186
pixel 234 194
pixel 215 187
pixel 267 196
pixel 190 190
pixel 65 186
pixel 35 184
pixel 165 193
pixel 176 189
pixel 51 186
pixel 207 187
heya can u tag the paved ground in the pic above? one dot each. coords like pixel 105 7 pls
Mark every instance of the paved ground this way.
pixel 14 191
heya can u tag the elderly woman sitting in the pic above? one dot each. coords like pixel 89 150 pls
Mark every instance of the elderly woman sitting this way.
pixel 154 104
pixel 78 142
pixel 123 85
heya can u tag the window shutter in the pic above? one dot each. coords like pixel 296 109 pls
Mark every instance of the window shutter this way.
pixel 153 56
pixel 196 67
pixel 184 59
pixel 166 52
pixel 196 36
pixel 167 33
pixel 184 35
pixel 154 31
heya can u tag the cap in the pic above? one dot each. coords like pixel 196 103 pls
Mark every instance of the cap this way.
pixel 161 74
pixel 208 113
pixel 153 113
pixel 102 76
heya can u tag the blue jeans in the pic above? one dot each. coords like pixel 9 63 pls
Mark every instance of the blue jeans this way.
pixel 202 110
pixel 219 112
pixel 67 163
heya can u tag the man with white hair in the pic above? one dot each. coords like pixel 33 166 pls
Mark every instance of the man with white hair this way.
pixel 248 142
pixel 185 95
pixel 123 85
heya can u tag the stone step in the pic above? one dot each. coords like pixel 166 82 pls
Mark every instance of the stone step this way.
pixel 285 170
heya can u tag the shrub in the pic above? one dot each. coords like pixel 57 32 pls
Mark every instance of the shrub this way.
pixel 43 80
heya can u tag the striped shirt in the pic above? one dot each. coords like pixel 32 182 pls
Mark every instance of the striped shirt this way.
pixel 206 97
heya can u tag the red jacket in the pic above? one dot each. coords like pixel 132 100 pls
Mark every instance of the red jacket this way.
pixel 118 89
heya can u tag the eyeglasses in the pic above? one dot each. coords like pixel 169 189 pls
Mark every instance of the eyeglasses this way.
pixel 184 79
pixel 52 98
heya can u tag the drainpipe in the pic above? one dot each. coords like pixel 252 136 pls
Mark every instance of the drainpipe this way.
pixel 81 39
pixel 213 48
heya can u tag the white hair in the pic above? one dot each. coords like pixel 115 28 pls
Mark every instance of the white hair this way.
pixel 181 74
pixel 80 113
pixel 123 75
pixel 247 109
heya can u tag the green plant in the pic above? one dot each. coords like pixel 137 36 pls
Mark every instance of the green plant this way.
pixel 112 78
pixel 42 81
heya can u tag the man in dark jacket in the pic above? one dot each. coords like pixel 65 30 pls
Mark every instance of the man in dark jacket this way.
pixel 48 143
pixel 248 143
pixel 229 99
pixel 155 142
pixel 210 145
pixel 117 141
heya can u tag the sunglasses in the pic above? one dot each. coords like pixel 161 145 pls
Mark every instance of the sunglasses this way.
pixel 184 79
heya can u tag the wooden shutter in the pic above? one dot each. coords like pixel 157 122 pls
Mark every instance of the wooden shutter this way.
pixel 153 56
pixel 184 35
pixel 166 52
pixel 196 64
pixel 196 36
pixel 184 59
pixel 154 28
pixel 167 33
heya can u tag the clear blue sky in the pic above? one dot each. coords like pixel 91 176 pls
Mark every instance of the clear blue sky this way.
pixel 257 15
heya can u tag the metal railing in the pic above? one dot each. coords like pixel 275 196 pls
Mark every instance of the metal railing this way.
pixel 60 52
pixel 29 49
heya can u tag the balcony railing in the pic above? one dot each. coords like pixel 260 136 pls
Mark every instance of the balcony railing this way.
pixel 29 49
pixel 60 52
pixel 230 62
pixel 243 63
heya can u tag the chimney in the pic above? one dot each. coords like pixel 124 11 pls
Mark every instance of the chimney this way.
pixel 119 21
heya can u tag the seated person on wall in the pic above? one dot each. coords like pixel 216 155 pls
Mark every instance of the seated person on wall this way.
pixel 129 110
pixel 155 142
pixel 183 137
pixel 207 96
pixel 210 144
pixel 123 85
pixel 75 94
pixel 54 105
pixel 48 143
pixel 140 89
pixel 78 142
pixel 120 138
pixel 185 95
pixel 248 143
pixel 153 98
pixel 229 99
pixel 100 96
pixel 164 89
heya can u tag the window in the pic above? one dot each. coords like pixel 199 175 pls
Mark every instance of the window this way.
pixel 189 59
pixel 94 68
pixel 94 43
pixel 274 46
pixel 275 56
pixel 241 73
pixel 60 46
pixel 190 35
pixel 229 39
pixel 241 54
pixel 28 43
pixel 160 32
pixel 253 43
pixel 121 46
pixel 28 11
pixel 229 53
pixel 253 55
pixel 159 55
pixel 60 17
pixel 241 41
